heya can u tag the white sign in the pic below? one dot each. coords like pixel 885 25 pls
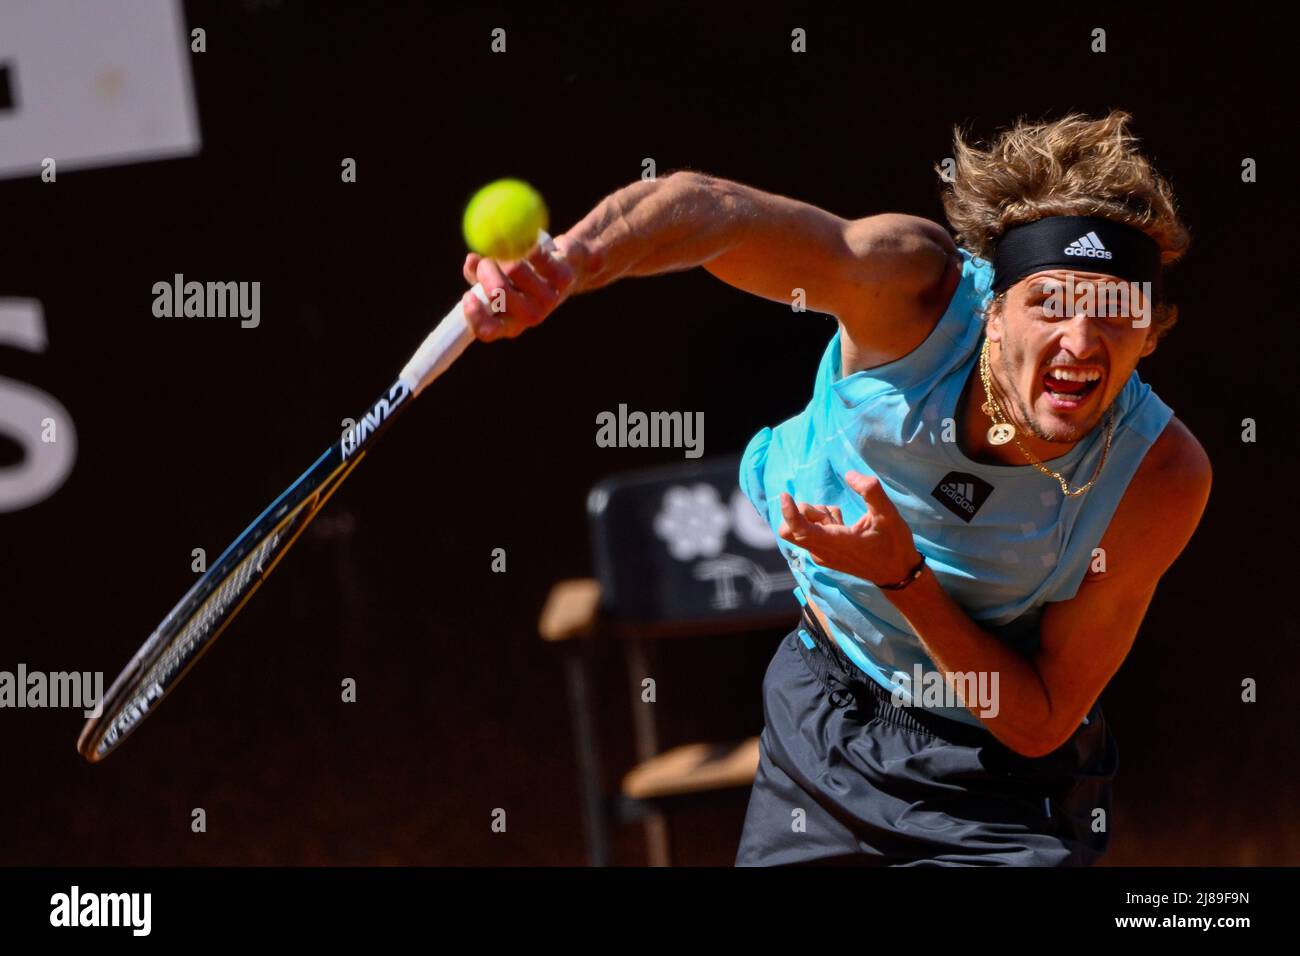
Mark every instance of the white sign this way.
pixel 94 84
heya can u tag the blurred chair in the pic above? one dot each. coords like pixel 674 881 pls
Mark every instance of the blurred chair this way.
pixel 678 552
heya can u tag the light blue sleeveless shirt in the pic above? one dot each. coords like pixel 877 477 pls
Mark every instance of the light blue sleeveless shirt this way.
pixel 1001 539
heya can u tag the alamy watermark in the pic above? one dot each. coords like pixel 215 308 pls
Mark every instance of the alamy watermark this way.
pixel 24 688
pixel 624 429
pixel 1107 298
pixel 209 300
pixel 960 689
pixel 130 910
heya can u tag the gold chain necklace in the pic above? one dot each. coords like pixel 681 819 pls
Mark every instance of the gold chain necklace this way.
pixel 1002 431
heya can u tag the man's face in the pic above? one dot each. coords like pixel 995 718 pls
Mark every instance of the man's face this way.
pixel 1067 344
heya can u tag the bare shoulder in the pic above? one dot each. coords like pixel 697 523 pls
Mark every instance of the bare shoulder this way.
pixel 1177 456
pixel 906 269
pixel 1162 506
pixel 911 253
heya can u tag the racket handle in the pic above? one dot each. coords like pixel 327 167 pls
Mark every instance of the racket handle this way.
pixel 441 347
pixel 450 337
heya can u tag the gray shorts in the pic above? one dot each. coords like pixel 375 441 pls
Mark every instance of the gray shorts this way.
pixel 847 777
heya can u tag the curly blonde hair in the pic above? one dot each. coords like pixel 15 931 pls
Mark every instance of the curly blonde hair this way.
pixel 1073 166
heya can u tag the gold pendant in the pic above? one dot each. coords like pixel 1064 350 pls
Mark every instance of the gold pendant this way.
pixel 1001 433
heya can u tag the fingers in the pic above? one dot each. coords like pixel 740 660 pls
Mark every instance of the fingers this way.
pixel 470 269
pixel 814 513
pixel 817 514
pixel 794 524
pixel 487 319
pixel 517 299
pixel 487 327
pixel 521 293
pixel 586 261
pixel 555 268
pixel 797 528
pixel 822 514
pixel 872 492
pixel 539 298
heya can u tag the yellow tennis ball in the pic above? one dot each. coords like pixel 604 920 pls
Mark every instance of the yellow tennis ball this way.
pixel 503 218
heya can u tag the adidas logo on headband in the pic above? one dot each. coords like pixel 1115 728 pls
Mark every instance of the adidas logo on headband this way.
pixel 1060 242
pixel 1089 246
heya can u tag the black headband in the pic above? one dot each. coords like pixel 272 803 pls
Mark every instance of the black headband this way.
pixel 1082 243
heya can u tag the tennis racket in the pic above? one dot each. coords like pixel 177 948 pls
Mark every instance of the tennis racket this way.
pixel 223 590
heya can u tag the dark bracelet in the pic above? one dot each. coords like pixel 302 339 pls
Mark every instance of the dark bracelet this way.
pixel 911 576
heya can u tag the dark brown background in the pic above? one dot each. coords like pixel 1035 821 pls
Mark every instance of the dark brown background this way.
pixel 188 427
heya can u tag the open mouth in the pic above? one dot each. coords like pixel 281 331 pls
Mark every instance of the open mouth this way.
pixel 1068 388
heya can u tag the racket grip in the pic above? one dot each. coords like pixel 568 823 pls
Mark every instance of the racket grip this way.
pixel 451 336
pixel 441 347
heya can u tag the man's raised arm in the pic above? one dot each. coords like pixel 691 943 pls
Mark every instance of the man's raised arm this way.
pixel 882 276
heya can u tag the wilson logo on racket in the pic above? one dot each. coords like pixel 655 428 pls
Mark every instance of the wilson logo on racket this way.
pixel 356 436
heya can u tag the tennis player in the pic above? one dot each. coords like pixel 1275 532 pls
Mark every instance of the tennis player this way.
pixel 977 503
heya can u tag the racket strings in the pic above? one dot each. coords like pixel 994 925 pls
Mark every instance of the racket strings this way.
pixel 198 628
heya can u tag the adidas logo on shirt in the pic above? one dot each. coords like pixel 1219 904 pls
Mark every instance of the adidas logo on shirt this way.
pixel 1088 246
pixel 962 494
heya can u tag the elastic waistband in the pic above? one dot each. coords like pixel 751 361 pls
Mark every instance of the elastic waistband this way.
pixel 833 668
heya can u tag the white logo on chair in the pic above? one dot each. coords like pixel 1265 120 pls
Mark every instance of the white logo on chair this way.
pixel 694 522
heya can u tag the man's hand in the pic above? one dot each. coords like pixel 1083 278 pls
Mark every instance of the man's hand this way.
pixel 523 292
pixel 878 548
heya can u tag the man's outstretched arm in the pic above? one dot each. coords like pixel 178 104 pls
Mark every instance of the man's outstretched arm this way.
pixel 882 276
